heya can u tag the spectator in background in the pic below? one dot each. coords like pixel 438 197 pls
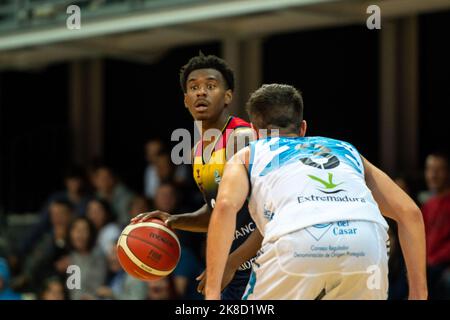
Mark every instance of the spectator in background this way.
pixel 119 284
pixel 160 168
pixel 100 214
pixel 53 289
pixel 436 214
pixel 151 180
pixel 74 193
pixel 138 205
pixel 165 169
pixel 89 258
pixel 47 256
pixel 161 289
pixel 436 175
pixel 166 197
pixel 6 293
pixel 108 188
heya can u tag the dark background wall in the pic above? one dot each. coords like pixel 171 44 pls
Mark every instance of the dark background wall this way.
pixel 336 69
pixel 434 83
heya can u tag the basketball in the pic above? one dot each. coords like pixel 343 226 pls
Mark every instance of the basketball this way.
pixel 148 250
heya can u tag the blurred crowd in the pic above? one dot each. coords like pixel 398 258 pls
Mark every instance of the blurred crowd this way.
pixel 434 202
pixel 80 226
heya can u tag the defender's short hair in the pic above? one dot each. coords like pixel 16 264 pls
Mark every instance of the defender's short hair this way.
pixel 276 106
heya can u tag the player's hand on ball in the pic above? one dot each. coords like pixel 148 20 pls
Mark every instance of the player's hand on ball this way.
pixel 143 217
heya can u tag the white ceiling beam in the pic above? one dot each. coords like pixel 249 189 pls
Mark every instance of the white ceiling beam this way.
pixel 149 19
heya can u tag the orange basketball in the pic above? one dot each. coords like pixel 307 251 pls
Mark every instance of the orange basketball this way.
pixel 148 250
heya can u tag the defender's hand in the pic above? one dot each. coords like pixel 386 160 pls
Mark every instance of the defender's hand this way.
pixel 228 275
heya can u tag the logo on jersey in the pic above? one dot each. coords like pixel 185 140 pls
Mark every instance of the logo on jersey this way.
pixel 268 214
pixel 217 176
pixel 328 186
pixel 317 231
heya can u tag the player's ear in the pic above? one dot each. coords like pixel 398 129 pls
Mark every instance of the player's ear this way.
pixel 254 132
pixel 303 127
pixel 228 96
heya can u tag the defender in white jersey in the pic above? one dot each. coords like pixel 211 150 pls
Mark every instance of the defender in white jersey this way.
pixel 319 206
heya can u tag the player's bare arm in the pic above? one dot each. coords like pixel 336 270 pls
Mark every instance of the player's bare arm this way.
pixel 239 138
pixel 222 224
pixel 394 203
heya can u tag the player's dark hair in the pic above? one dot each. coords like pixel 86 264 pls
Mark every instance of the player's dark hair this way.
pixel 276 106
pixel 207 62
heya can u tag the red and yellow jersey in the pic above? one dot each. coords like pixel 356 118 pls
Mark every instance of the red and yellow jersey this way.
pixel 208 174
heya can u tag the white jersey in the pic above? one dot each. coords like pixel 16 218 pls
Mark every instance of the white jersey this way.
pixel 298 182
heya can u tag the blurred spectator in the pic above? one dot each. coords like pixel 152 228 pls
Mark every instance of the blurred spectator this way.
pixel 161 289
pixel 100 214
pixel 74 193
pixel 166 198
pixel 6 293
pixel 151 180
pixel 47 256
pixel 88 257
pixel 115 193
pixel 436 213
pixel 120 285
pixel 160 168
pixel 53 289
pixel 436 176
pixel 139 204
pixel 165 169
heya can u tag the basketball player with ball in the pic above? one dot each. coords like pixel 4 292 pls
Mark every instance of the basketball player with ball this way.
pixel 208 84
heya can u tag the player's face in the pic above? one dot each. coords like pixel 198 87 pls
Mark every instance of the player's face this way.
pixel 206 95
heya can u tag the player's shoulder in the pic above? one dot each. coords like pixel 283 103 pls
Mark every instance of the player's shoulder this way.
pixel 236 123
pixel 330 141
pixel 240 136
